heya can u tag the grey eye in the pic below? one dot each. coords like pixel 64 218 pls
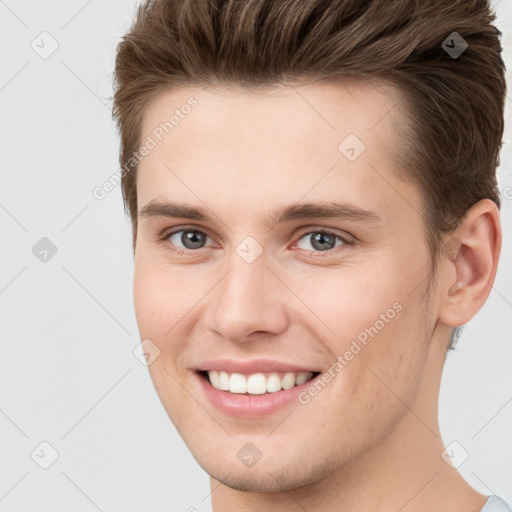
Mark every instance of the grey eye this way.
pixel 189 238
pixel 321 240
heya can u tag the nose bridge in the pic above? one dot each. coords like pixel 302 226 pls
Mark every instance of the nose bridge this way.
pixel 245 282
pixel 247 299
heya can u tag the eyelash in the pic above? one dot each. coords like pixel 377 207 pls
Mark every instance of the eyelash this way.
pixel 301 235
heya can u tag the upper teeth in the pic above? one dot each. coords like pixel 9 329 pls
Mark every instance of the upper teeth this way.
pixel 256 383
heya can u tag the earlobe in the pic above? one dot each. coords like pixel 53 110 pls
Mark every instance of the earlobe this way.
pixel 472 255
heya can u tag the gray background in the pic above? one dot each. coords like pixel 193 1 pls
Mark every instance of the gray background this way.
pixel 68 375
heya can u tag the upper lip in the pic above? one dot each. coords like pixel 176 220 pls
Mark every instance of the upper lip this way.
pixel 254 366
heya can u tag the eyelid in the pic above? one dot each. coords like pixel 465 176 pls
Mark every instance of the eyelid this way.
pixel 176 229
pixel 346 239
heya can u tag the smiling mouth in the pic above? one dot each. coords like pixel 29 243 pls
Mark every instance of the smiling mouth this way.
pixel 256 383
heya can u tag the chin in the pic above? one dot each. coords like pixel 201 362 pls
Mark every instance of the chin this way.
pixel 273 475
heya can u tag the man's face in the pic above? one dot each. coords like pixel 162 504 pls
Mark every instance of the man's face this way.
pixel 239 293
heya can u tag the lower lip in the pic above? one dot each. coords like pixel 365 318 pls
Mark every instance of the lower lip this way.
pixel 250 406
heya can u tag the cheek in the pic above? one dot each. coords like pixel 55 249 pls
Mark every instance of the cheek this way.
pixel 167 301
pixel 377 384
pixel 162 295
pixel 387 373
pixel 376 326
pixel 159 305
pixel 347 303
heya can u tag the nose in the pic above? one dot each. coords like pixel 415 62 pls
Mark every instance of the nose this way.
pixel 249 299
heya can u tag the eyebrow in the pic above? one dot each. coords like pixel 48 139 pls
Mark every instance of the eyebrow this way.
pixel 320 210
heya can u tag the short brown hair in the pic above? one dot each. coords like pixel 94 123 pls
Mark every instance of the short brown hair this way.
pixel 454 103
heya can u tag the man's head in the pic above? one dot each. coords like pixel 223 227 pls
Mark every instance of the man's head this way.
pixel 279 108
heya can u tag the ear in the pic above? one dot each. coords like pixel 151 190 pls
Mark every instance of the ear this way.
pixel 469 263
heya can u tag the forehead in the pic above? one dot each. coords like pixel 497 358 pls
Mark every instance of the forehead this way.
pixel 274 145
pixel 326 109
